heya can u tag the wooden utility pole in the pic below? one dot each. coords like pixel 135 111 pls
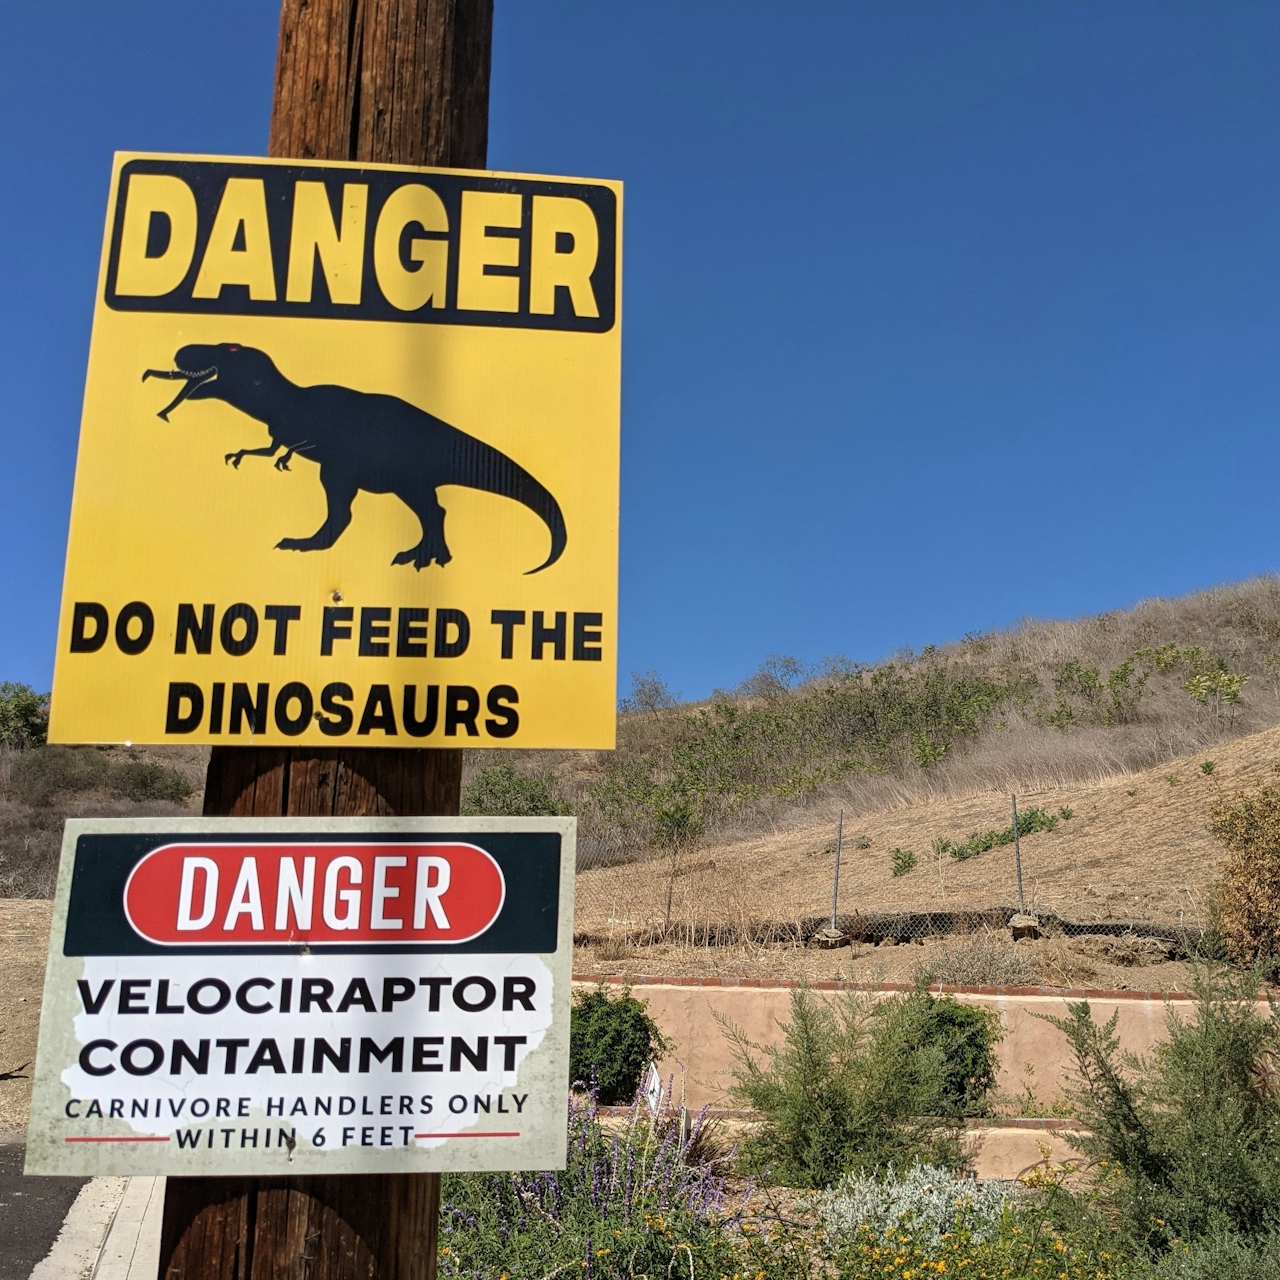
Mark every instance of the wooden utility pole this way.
pixel 391 82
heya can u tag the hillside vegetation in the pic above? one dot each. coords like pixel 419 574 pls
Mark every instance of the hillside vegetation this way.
pixel 1043 705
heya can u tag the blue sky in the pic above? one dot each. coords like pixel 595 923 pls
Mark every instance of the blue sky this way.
pixel 936 315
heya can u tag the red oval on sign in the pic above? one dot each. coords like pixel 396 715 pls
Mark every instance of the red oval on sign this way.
pixel 320 894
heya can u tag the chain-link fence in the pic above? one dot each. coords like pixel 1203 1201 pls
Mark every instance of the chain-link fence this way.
pixel 776 891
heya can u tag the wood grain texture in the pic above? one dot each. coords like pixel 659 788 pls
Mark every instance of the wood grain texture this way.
pixel 389 81
pixel 271 782
pixel 318 1228
pixel 394 82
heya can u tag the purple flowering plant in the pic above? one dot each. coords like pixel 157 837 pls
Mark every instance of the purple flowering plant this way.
pixel 629 1201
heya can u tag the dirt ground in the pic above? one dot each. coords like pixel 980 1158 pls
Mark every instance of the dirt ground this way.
pixel 24 943
pixel 1050 962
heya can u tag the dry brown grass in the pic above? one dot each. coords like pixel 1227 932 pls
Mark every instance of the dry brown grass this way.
pixel 985 959
pixel 24 941
pixel 31 836
pixel 1049 962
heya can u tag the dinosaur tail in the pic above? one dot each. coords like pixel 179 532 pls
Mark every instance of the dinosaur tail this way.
pixel 484 467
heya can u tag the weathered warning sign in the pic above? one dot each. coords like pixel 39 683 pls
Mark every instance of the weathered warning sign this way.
pixel 306 996
pixel 348 465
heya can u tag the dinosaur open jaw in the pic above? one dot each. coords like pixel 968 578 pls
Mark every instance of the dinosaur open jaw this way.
pixel 195 379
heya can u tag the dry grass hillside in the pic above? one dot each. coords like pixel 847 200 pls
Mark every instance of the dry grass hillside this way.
pixel 1036 725
pixel 1129 722
pixel 714 823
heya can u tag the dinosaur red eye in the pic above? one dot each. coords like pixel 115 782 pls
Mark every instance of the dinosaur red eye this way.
pixel 233 348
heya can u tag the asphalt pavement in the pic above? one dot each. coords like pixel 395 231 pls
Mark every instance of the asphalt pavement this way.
pixel 31 1212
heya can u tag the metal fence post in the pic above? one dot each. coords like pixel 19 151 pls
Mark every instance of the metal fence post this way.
pixel 835 883
pixel 1017 855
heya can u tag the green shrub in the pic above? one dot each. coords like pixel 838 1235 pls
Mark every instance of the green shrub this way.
pixel 859 1083
pixel 502 791
pixel 1082 695
pixel 611 1041
pixel 38 775
pixel 782 739
pixel 904 860
pixel 967 1036
pixel 41 774
pixel 922 1201
pixel 142 780
pixel 1195 1129
pixel 1222 1257
pixel 24 715
pixel 1029 822
pixel 1210 682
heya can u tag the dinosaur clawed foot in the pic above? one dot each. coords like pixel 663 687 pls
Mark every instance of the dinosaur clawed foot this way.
pixel 422 555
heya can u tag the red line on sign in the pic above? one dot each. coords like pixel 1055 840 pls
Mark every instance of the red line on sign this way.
pixel 165 1138
pixel 513 1134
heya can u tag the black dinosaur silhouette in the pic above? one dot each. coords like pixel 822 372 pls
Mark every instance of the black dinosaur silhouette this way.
pixel 362 440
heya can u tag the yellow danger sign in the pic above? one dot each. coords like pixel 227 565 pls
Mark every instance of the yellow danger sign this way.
pixel 348 466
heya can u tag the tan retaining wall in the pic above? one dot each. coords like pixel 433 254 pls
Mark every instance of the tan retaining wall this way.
pixel 1033 1055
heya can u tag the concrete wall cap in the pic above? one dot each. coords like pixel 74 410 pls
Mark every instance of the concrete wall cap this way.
pixel 964 989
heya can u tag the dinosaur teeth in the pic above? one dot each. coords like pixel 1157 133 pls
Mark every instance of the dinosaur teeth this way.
pixel 194 382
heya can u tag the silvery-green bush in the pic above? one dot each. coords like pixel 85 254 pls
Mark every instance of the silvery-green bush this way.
pixel 1222 1257
pixel 924 1200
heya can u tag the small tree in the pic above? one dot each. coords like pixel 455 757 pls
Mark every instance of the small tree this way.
pixel 1213 685
pixel 649 692
pixel 24 715
pixel 779 673
pixel 1248 895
